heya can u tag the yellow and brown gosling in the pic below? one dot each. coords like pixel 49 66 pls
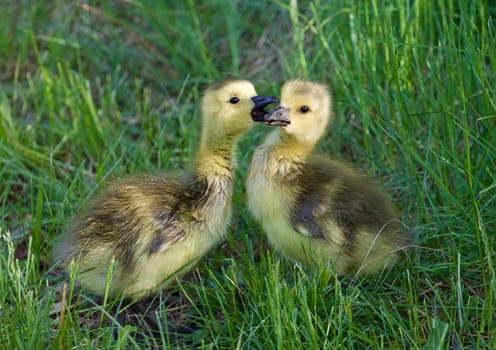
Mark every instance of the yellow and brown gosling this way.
pixel 151 229
pixel 313 209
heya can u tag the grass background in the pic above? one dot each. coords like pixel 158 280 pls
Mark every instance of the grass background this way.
pixel 98 89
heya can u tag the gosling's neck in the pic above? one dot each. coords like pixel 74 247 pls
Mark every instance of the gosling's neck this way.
pixel 215 157
pixel 286 146
pixel 213 179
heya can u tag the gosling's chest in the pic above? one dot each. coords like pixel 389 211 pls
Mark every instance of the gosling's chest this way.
pixel 268 195
pixel 214 211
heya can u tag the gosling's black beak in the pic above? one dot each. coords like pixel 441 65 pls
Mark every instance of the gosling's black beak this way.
pixel 258 113
pixel 278 116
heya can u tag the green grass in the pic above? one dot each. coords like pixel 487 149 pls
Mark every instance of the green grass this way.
pixel 95 90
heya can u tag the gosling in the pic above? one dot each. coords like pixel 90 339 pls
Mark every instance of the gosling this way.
pixel 151 229
pixel 315 210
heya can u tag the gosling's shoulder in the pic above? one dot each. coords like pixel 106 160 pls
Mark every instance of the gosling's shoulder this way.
pixel 343 186
pixel 319 169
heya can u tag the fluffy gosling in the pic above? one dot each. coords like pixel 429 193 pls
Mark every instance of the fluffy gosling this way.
pixel 151 229
pixel 313 209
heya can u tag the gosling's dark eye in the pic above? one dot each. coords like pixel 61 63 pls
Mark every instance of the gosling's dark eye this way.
pixel 304 109
pixel 234 100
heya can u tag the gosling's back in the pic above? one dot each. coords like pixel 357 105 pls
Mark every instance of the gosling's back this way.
pixel 337 196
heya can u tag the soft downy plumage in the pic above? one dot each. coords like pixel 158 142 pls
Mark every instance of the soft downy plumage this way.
pixel 154 228
pixel 315 210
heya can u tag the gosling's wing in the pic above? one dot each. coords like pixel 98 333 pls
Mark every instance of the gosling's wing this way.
pixel 168 229
pixel 305 217
pixel 133 214
pixel 311 214
pixel 172 210
pixel 328 201
pixel 337 201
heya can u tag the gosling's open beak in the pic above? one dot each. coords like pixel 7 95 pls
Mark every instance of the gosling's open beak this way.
pixel 278 117
pixel 258 113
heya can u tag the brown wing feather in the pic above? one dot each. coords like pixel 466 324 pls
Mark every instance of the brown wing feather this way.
pixel 331 192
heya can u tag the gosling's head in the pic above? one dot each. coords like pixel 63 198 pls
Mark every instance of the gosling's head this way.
pixel 228 107
pixel 304 111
